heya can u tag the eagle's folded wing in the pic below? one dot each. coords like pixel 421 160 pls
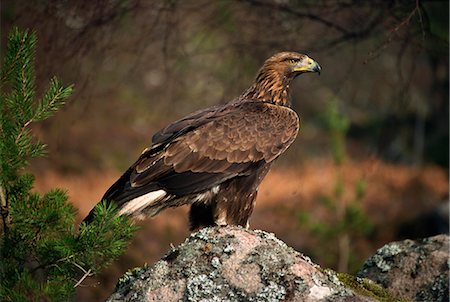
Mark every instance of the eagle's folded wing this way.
pixel 207 148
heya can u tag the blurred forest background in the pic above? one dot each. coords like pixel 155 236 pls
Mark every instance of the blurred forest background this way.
pixel 370 164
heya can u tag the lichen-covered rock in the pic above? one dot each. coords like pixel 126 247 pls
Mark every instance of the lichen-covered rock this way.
pixel 417 270
pixel 233 264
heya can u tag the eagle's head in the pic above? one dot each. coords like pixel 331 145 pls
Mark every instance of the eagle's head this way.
pixel 273 79
pixel 291 64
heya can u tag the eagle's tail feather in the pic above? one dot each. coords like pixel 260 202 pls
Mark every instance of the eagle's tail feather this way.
pixel 130 200
pixel 135 206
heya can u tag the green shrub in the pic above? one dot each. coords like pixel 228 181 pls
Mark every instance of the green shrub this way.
pixel 43 256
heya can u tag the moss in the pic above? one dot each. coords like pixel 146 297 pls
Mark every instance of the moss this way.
pixel 367 288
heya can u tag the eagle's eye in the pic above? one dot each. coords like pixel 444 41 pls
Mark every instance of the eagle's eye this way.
pixel 293 61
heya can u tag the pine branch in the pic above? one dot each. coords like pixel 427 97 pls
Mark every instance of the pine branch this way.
pixel 38 237
pixel 54 98
pixel 16 48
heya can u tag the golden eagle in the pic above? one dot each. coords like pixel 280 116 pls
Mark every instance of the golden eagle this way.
pixel 214 159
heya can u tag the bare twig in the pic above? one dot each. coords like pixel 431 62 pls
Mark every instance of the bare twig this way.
pixel 87 273
pixel 354 35
pixel 345 34
pixel 418 5
pixel 390 36
pixel 287 9
pixel 4 208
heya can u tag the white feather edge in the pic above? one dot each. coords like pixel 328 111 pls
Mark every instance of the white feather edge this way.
pixel 139 203
pixel 206 196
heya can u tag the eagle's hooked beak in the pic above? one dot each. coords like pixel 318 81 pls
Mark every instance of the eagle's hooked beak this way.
pixel 308 65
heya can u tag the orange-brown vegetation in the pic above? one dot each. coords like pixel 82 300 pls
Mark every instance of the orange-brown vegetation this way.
pixel 395 194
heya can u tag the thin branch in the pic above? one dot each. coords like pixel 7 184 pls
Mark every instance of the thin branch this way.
pixel 354 35
pixel 4 209
pixel 87 273
pixel 346 35
pixel 100 21
pixel 418 5
pixel 287 9
pixel 390 36
pixel 49 264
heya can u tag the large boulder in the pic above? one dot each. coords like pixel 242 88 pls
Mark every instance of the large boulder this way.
pixel 417 270
pixel 236 264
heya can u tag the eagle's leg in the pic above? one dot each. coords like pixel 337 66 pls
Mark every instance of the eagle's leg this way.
pixel 234 207
pixel 201 215
pixel 225 209
pixel 230 204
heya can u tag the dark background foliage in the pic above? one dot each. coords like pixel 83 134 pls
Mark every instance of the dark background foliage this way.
pixel 145 63
pixel 138 65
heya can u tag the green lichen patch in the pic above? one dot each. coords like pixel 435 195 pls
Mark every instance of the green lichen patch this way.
pixel 368 288
pixel 208 288
pixel 130 276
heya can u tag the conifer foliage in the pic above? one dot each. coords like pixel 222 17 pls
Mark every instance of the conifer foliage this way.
pixel 43 256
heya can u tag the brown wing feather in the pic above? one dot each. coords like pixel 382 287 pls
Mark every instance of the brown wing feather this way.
pixel 216 146
pixel 248 133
